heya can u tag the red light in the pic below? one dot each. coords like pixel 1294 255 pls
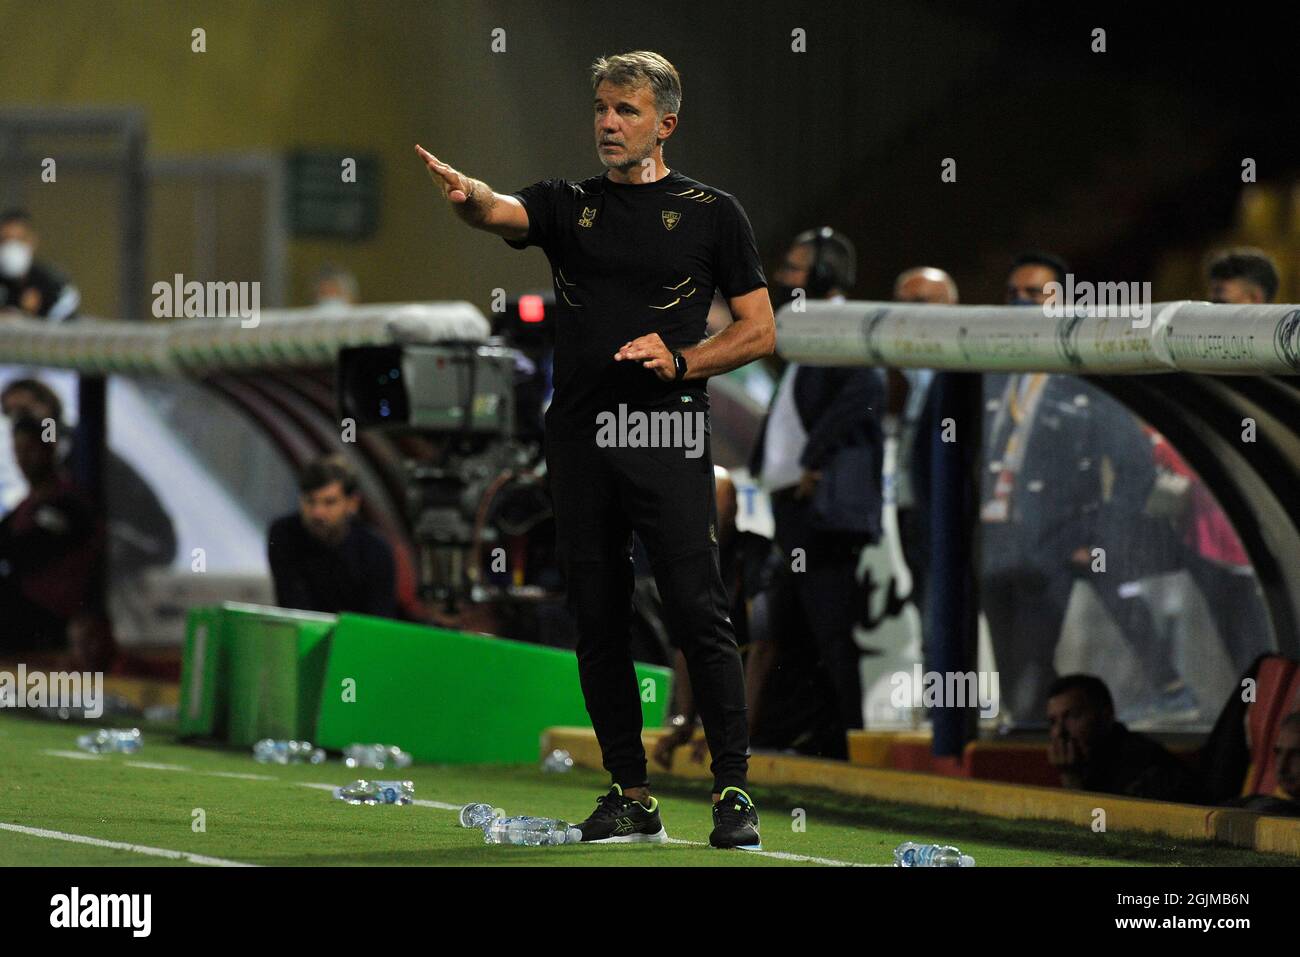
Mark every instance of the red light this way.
pixel 531 309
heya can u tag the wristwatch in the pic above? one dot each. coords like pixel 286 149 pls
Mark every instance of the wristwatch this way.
pixel 679 361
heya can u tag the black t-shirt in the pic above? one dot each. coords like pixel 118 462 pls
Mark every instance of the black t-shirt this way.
pixel 628 260
pixel 356 575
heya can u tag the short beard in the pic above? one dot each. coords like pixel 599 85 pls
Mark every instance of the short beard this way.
pixel 332 535
pixel 624 165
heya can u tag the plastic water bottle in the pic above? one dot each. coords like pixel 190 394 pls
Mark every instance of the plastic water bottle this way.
pixel 270 751
pixel 530 831
pixel 378 756
pixel 558 761
pixel 909 854
pixel 376 792
pixel 122 740
pixel 477 815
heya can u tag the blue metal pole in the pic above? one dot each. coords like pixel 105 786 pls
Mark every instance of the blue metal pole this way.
pixel 954 496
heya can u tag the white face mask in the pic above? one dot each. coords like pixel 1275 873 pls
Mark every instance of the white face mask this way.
pixel 15 259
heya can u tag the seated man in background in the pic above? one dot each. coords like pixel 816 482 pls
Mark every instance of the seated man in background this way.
pixel 51 548
pixel 322 557
pixel 141 534
pixel 1285 801
pixel 1094 752
pixel 25 284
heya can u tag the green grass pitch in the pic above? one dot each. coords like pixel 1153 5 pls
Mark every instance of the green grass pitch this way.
pixel 272 818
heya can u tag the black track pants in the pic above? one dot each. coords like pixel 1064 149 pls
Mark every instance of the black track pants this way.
pixel 600 496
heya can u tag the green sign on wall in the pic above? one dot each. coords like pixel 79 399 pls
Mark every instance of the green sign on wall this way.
pixel 333 194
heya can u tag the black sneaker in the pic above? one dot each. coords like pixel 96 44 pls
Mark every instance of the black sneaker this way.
pixel 620 820
pixel 735 821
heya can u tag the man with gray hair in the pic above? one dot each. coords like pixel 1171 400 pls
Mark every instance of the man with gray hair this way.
pixel 636 254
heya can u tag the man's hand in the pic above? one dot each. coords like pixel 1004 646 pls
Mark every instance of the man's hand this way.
pixel 666 745
pixel 1068 758
pixel 807 483
pixel 1061 753
pixel 453 185
pixel 677 738
pixel 475 202
pixel 652 354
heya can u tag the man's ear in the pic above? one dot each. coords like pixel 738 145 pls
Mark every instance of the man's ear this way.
pixel 667 124
pixel 354 503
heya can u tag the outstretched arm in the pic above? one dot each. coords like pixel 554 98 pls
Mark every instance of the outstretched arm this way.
pixel 474 201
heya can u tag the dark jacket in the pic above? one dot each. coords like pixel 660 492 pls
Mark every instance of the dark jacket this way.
pixel 1087 472
pixel 1137 766
pixel 51 555
pixel 357 575
pixel 840 408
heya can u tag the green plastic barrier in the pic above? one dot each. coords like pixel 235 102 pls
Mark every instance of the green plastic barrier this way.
pixel 253 672
pixel 202 709
pixel 452 697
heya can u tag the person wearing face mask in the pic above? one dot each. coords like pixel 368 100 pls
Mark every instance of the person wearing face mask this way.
pixel 819 455
pixel 25 284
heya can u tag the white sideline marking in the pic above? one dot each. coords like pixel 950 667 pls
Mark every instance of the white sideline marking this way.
pixel 153 766
pixel 784 855
pixel 78 755
pixel 121 846
pixel 240 777
pixel 439 805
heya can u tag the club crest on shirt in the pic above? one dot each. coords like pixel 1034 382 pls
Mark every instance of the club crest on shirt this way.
pixel 587 218
pixel 670 217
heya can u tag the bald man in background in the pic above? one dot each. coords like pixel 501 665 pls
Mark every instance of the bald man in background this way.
pixel 909 390
pixel 925 284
